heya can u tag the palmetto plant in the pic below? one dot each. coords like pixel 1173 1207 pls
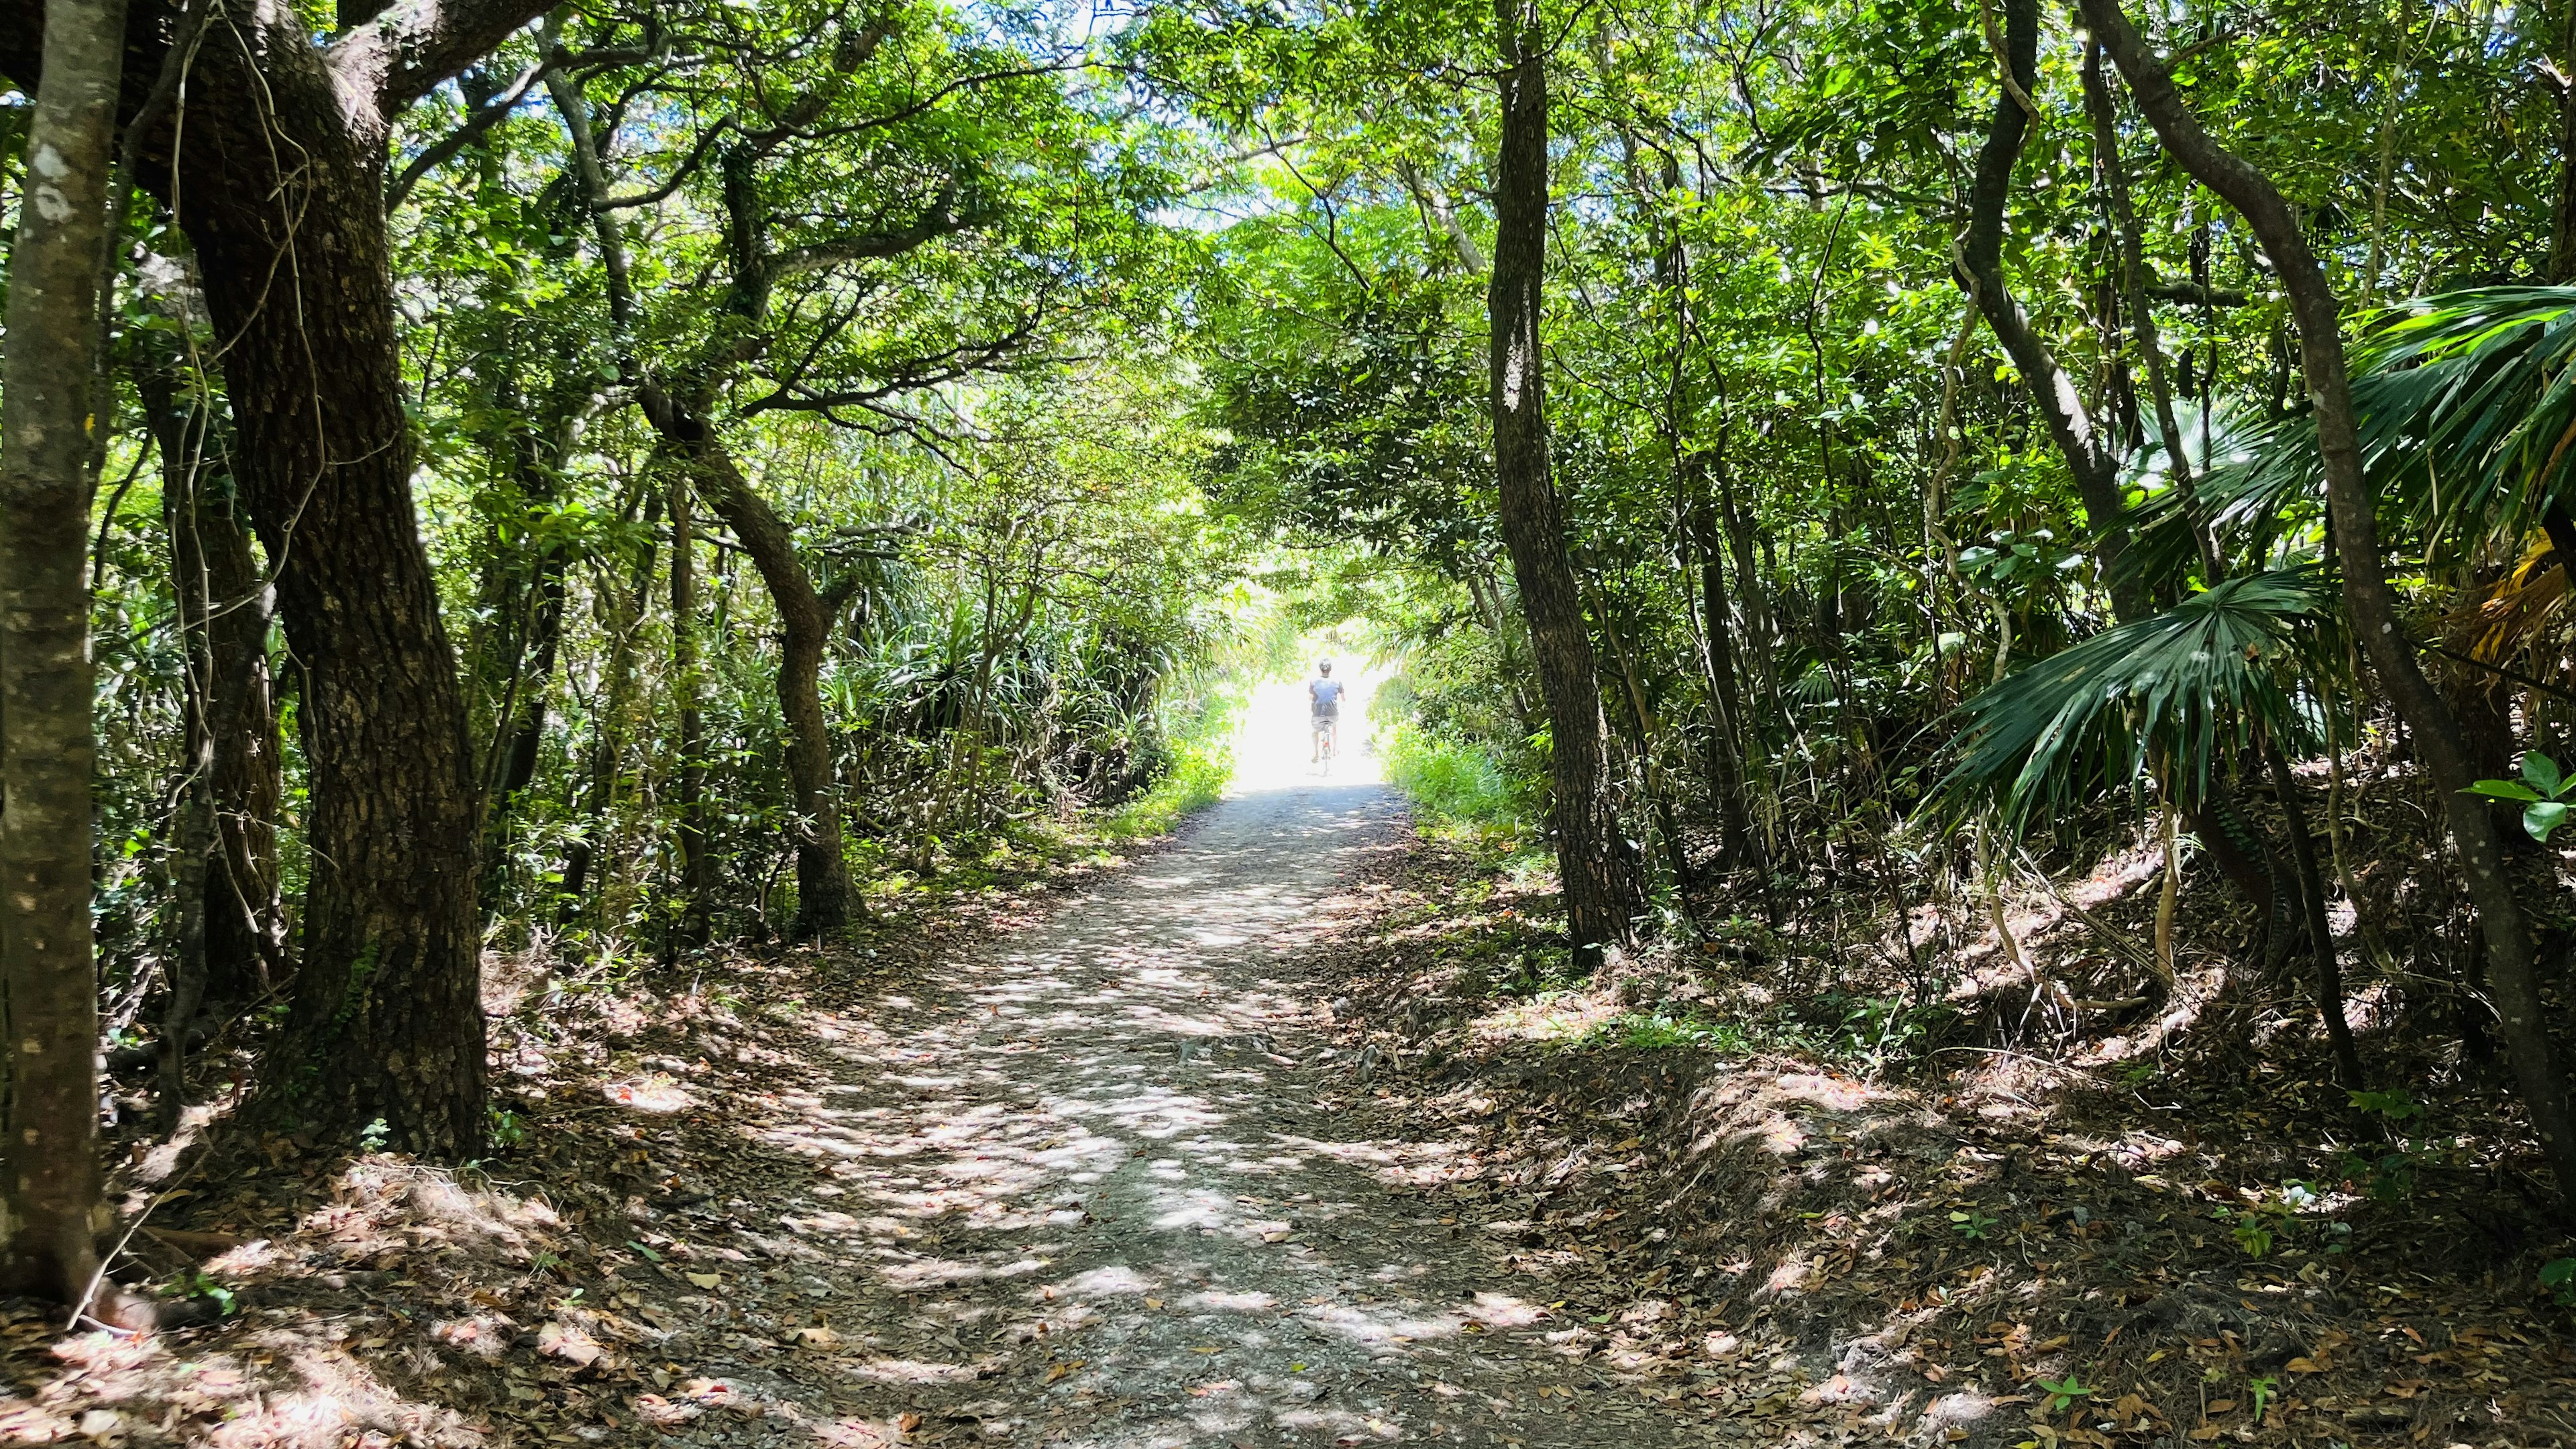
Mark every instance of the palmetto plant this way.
pixel 2467 409
pixel 2467 416
pixel 2175 691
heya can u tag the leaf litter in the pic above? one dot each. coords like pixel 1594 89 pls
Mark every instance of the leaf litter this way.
pixel 1212 1152
pixel 1081 1170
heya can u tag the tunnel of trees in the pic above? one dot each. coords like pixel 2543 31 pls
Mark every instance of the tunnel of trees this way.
pixel 597 483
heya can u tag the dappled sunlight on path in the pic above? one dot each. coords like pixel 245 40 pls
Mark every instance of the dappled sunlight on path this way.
pixel 1085 1194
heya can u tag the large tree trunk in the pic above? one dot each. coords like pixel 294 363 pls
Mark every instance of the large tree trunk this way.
pixel 1979 262
pixel 277 178
pixel 387 1018
pixel 278 183
pixel 50 1210
pixel 2512 969
pixel 822 871
pixel 1596 863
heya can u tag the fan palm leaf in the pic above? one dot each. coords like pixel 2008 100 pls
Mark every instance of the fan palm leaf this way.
pixel 2181 687
pixel 2468 408
pixel 2250 470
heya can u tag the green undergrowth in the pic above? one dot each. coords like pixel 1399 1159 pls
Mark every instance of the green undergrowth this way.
pixel 1198 776
pixel 1459 791
pixel 1199 764
pixel 1868 1035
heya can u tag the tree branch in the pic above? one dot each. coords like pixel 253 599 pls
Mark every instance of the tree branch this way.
pixel 483 119
pixel 942 219
pixel 1978 260
pixel 417 45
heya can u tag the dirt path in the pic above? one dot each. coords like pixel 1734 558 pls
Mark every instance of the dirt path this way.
pixel 1081 1192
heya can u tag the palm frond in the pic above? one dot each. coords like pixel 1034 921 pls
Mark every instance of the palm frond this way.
pixel 2248 469
pixel 2468 410
pixel 2180 686
pixel 2466 406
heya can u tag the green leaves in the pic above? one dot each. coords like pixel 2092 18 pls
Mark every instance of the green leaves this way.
pixel 2558 1275
pixel 2179 685
pixel 2062 1392
pixel 2542 790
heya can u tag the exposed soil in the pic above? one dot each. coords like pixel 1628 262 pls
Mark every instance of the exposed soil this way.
pixel 1105 1175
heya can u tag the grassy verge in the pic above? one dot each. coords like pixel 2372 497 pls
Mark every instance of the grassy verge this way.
pixel 1459 790
pixel 1200 770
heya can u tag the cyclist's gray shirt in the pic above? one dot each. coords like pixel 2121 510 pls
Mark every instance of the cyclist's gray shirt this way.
pixel 1325 697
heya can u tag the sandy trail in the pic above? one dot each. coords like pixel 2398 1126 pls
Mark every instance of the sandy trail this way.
pixel 1080 1191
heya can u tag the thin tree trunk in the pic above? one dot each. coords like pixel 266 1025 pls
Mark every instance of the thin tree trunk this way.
pixel 1726 727
pixel 49 1184
pixel 524 599
pixel 1692 502
pixel 2562 242
pixel 608 742
pixel 2312 894
pixel 227 608
pixel 685 684
pixel 822 871
pixel 1597 868
pixel 2247 861
pixel 2562 255
pixel 2141 307
pixel 1979 263
pixel 2168 891
pixel 1645 731
pixel 1487 594
pixel 2512 967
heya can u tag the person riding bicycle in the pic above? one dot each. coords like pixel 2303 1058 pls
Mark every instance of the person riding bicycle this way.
pixel 1324 707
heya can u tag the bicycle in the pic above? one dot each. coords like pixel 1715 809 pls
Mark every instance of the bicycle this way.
pixel 1327 739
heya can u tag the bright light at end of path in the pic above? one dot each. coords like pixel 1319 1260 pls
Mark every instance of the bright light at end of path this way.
pixel 1272 747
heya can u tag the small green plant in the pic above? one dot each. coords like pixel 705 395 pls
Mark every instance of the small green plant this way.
pixel 2558 1275
pixel 2390 1176
pixel 196 1284
pixel 1972 1225
pixel 2253 1234
pixel 2263 1390
pixel 2543 791
pixel 2063 1392
pixel 1879 1029
pixel 508 1128
pixel 374 1136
